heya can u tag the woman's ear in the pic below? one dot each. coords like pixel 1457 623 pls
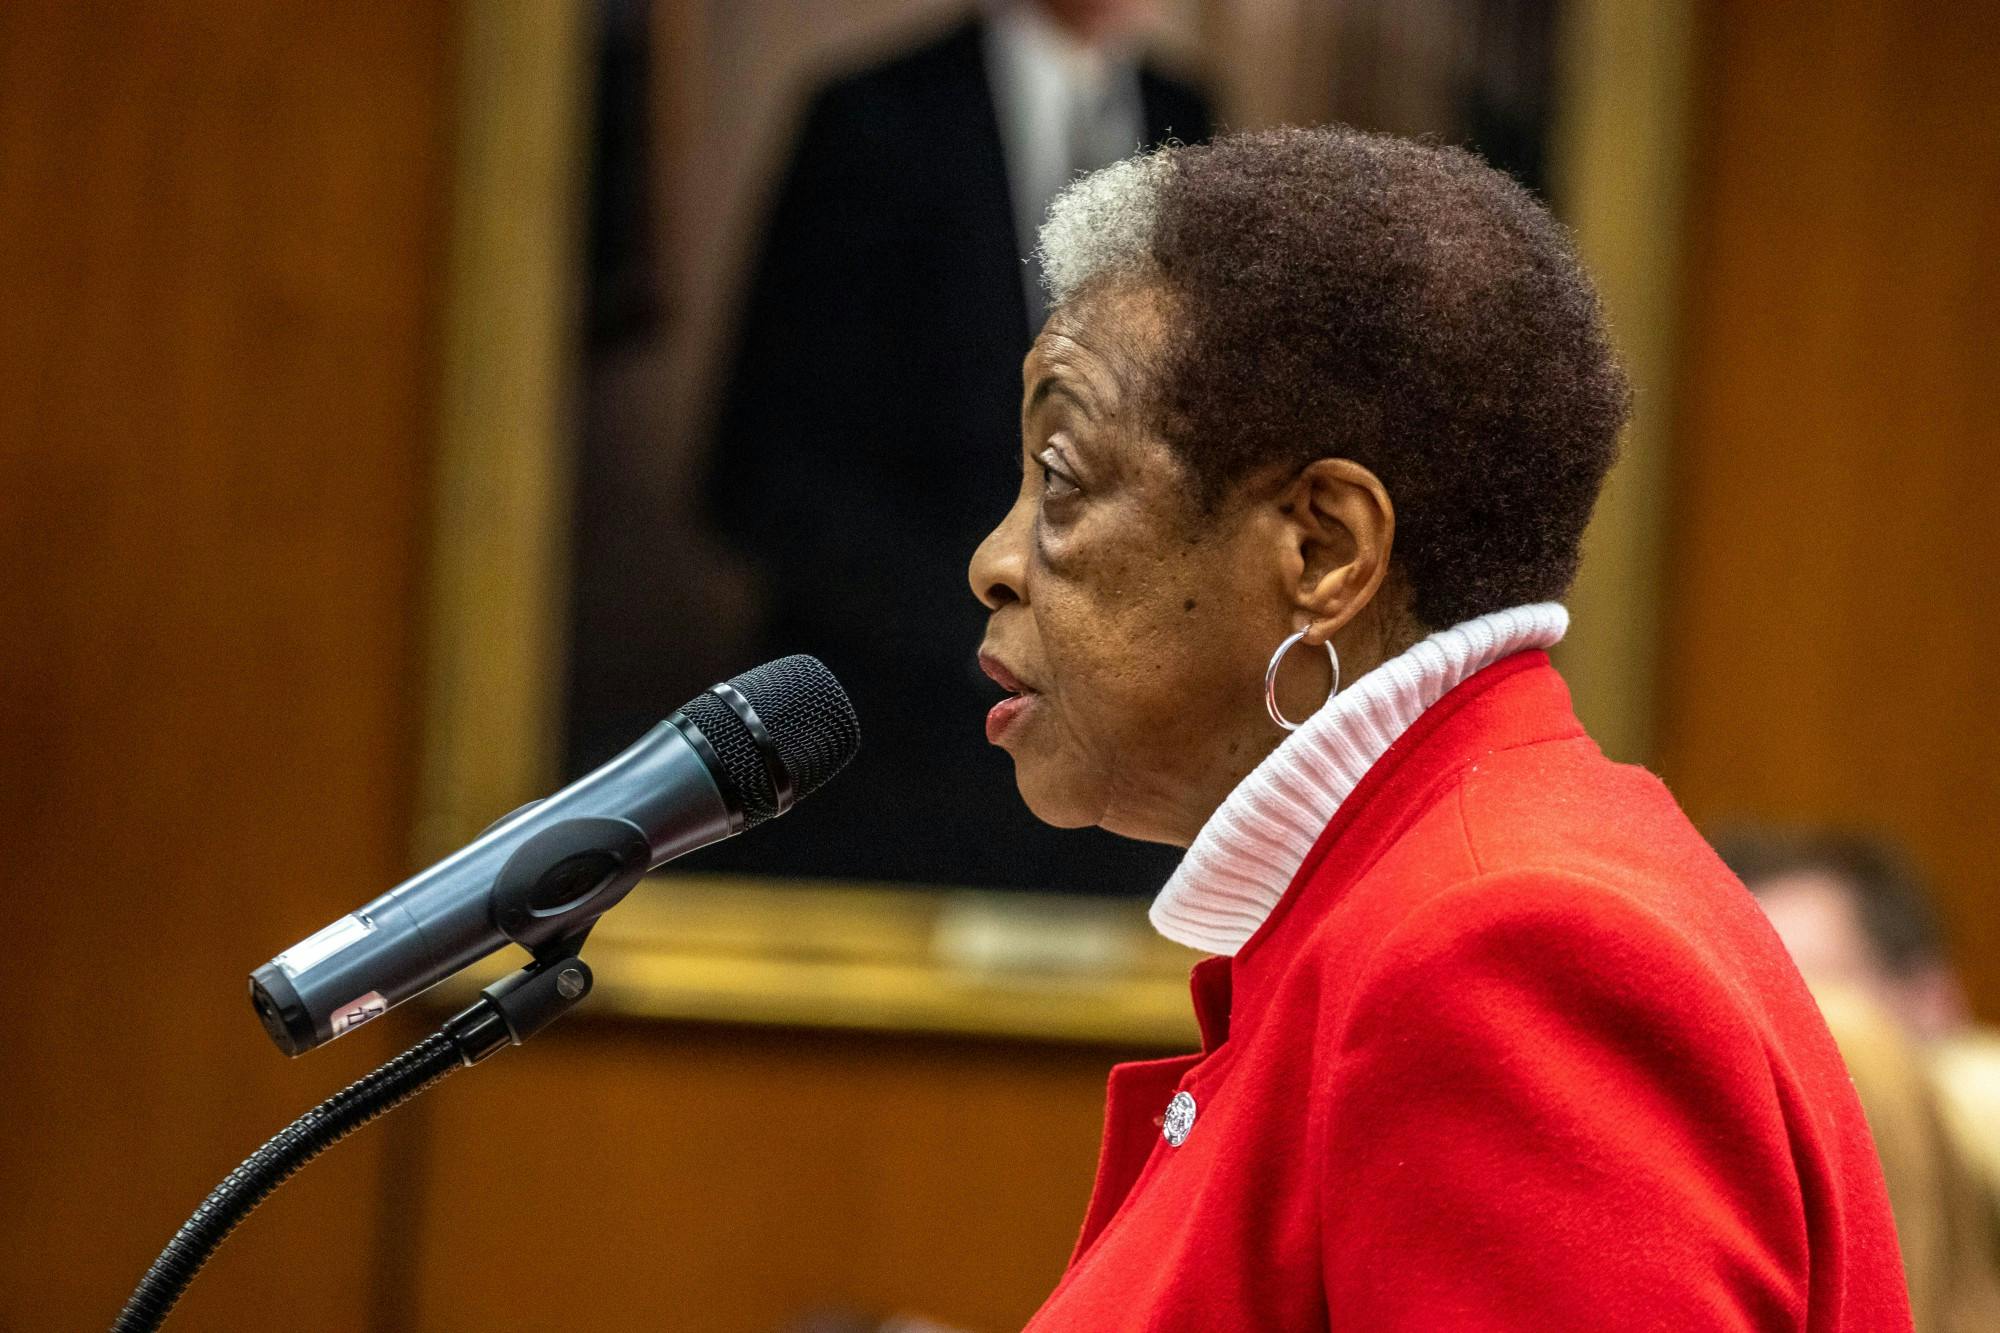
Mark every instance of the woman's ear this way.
pixel 1343 525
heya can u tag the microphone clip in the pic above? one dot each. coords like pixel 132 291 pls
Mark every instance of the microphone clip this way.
pixel 566 876
pixel 522 1003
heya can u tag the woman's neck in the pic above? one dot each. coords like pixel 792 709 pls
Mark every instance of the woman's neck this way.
pixel 1247 737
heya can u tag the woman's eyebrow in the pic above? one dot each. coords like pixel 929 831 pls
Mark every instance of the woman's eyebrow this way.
pixel 1048 386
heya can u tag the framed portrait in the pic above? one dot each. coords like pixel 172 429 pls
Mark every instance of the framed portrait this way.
pixel 722 386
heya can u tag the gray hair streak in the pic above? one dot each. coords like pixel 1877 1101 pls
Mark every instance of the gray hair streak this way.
pixel 1102 224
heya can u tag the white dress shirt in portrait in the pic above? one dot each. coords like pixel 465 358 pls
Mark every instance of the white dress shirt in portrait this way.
pixel 1064 105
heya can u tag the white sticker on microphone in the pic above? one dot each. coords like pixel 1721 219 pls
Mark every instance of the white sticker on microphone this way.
pixel 316 948
pixel 357 1012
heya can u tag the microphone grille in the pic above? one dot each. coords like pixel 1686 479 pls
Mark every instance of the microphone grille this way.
pixel 810 720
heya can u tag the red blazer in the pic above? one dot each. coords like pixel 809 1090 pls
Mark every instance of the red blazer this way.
pixel 1514 1051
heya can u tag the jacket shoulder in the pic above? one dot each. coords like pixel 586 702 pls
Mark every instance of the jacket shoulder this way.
pixel 950 60
pixel 1177 108
pixel 1564 807
pixel 1551 841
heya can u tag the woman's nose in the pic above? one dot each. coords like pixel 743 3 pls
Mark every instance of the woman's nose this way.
pixel 997 566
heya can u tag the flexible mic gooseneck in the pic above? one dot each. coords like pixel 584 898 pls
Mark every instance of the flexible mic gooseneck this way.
pixel 736 755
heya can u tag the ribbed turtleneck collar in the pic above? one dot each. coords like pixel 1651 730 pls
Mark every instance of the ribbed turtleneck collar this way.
pixel 1247 853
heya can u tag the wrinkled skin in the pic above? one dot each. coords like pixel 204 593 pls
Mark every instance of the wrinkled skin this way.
pixel 1138 628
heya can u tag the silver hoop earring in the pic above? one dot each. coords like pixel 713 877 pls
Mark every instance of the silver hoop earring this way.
pixel 1271 678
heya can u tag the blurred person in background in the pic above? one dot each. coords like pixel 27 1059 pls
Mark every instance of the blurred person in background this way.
pixel 1949 1237
pixel 867 424
pixel 1493 1040
pixel 1854 913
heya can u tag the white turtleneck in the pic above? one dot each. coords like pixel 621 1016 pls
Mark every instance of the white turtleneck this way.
pixel 1246 854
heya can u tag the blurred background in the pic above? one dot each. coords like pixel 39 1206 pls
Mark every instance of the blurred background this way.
pixel 403 406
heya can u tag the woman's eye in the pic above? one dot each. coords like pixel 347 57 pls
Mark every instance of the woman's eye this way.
pixel 1055 482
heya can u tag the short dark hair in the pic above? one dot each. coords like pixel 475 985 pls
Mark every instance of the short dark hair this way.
pixel 1890 897
pixel 1404 305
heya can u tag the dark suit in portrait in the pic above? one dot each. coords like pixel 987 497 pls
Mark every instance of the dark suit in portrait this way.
pixel 868 437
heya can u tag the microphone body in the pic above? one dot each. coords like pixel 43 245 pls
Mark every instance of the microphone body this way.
pixel 550 869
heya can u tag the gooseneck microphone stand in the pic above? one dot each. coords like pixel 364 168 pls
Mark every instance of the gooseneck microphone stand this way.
pixel 507 1013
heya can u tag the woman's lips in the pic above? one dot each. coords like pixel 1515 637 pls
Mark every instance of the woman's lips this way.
pixel 997 672
pixel 1005 714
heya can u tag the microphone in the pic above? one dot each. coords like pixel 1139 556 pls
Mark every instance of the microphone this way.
pixel 735 755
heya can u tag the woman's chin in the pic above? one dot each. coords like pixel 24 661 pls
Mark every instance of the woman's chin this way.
pixel 1053 798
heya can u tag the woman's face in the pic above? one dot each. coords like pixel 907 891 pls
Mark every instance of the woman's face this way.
pixel 1132 638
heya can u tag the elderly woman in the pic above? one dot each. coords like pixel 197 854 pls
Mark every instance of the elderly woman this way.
pixel 1493 1040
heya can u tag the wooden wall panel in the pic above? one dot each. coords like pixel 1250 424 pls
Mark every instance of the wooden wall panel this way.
pixel 218 229
pixel 1833 644
pixel 718 1180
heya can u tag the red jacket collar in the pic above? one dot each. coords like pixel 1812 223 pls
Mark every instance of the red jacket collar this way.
pixel 1520 700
